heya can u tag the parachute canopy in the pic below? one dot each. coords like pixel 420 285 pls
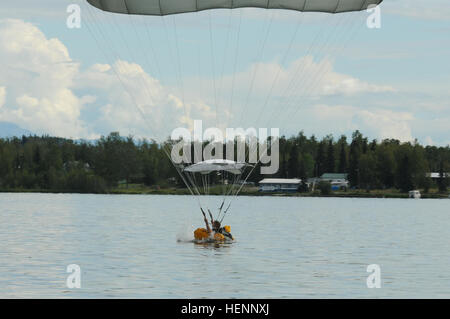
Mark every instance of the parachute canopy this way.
pixel 166 7
pixel 216 165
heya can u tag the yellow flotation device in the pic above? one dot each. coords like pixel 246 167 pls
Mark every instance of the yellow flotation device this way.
pixel 201 234
pixel 219 237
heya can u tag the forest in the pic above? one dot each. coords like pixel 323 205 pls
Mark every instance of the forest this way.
pixel 62 165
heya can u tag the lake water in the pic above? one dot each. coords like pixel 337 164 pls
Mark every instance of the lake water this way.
pixel 127 247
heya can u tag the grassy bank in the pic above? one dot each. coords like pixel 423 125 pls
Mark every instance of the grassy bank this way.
pixel 141 189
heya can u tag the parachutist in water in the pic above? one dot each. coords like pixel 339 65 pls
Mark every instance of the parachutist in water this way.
pixel 225 231
pixel 216 234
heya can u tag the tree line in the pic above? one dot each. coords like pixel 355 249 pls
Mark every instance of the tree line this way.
pixel 58 164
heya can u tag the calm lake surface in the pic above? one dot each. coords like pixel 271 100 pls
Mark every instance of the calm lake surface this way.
pixel 128 246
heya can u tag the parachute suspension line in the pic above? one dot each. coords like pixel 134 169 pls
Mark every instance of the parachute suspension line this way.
pixel 161 75
pixel 177 72
pixel 223 183
pixel 299 70
pixel 143 49
pixel 225 56
pixel 200 82
pixel 193 181
pixel 317 80
pixel 114 22
pixel 283 60
pixel 307 83
pixel 257 144
pixel 312 86
pixel 205 183
pixel 115 56
pixel 257 61
pixel 179 67
pixel 155 56
pixel 265 152
pixel 212 65
pixel 235 62
pixel 194 186
pixel 242 185
pixel 133 99
pixel 235 180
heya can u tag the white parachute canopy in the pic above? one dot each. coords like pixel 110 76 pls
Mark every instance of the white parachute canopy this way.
pixel 167 7
pixel 217 165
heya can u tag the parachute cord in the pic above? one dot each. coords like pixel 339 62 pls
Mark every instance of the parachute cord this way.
pixel 265 152
pixel 235 179
pixel 149 36
pixel 336 52
pixel 258 62
pixel 179 68
pixel 307 83
pixel 283 60
pixel 113 21
pixel 133 99
pixel 212 66
pixel 235 63
pixel 299 70
pixel 225 56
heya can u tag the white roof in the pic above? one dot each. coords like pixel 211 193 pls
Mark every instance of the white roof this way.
pixel 280 181
pixel 436 175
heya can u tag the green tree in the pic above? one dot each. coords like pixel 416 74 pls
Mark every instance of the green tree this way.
pixel 355 153
pixel 342 155
pixel 293 167
pixel 443 178
pixel 367 171
pixel 404 174
pixel 320 159
pixel 330 160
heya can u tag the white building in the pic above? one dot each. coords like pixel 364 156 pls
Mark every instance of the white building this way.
pixel 436 175
pixel 279 185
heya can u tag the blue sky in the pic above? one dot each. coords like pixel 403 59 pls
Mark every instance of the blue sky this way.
pixel 337 76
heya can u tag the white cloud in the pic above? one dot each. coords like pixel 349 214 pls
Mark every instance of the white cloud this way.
pixel 263 87
pixel 304 76
pixel 2 95
pixel 135 102
pixel 376 123
pixel 38 76
pixel 47 91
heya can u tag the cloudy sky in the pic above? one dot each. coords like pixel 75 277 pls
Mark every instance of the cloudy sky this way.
pixel 145 76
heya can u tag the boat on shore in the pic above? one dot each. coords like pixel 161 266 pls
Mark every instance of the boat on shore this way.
pixel 414 194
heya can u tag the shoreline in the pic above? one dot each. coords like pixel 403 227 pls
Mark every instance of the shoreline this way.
pixel 253 193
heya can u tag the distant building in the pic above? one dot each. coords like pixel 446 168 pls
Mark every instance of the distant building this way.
pixel 338 181
pixel 279 185
pixel 435 176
